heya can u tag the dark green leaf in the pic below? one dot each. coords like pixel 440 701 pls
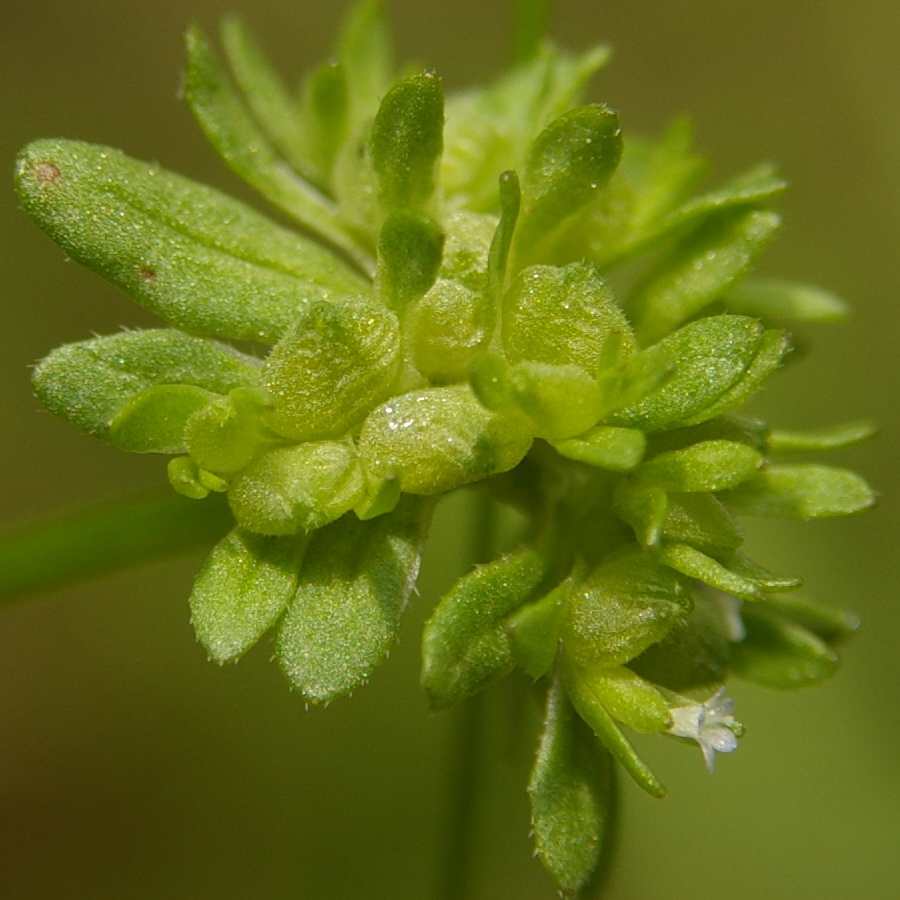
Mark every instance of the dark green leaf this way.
pixel 780 654
pixel 406 142
pixel 573 797
pixel 199 259
pixel 409 256
pixel 242 589
pixel 464 644
pixel 344 616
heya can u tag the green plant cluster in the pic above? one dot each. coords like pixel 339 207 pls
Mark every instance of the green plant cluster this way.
pixel 452 322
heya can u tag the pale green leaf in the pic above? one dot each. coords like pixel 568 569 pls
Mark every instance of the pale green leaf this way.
pixel 200 260
pixel 809 491
pixel 244 586
pixel 704 466
pixel 772 298
pixel 91 382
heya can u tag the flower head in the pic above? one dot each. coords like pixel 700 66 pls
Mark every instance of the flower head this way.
pixel 710 724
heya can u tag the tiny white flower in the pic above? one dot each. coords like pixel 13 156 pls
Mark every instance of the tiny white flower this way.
pixel 710 724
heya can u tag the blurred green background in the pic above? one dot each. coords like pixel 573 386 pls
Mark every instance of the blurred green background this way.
pixel 131 768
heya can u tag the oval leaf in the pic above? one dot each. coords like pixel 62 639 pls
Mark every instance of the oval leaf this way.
pixel 573 797
pixel 464 644
pixel 245 584
pixel 200 260
pixel 344 616
pixel 90 382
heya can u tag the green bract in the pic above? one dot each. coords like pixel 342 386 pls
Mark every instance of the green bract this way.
pixel 452 323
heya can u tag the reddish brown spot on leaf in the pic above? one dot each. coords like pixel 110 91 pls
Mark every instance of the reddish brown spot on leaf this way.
pixel 148 273
pixel 47 172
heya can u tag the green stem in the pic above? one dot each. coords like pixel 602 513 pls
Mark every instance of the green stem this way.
pixel 105 538
pixel 464 783
pixel 466 751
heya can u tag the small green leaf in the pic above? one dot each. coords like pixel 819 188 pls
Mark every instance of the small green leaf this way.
pixel 155 420
pixel 559 401
pixel 772 348
pixel 303 487
pixel 628 698
pixel 510 205
pixel 573 797
pixel 627 603
pixel 562 315
pixel 807 491
pixel 710 356
pixel 464 644
pixel 781 654
pixel 324 118
pixel 567 165
pixel 344 616
pixel 409 256
pixel 534 631
pixel 643 507
pixel 834 438
pixel 695 564
pixel 244 586
pixel 91 382
pixel 607 447
pixel 200 260
pixel 701 521
pixel 700 268
pixel 438 439
pixel 334 364
pixel 771 298
pixel 594 713
pixel 704 466
pixel 489 127
pixel 406 142
pixel 448 327
pixel 227 433
pixel 829 624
